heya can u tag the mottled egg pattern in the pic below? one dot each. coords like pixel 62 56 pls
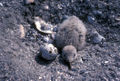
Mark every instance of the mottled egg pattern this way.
pixel 48 51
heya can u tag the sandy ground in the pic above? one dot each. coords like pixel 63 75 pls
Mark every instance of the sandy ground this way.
pixel 19 57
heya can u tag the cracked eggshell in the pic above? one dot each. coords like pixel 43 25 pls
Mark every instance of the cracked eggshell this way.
pixel 48 51
pixel 39 23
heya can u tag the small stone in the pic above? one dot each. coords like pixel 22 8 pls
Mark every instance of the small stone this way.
pixel 46 39
pixel 1 4
pixel 55 29
pixel 40 77
pixel 48 51
pixel 97 12
pixel 82 71
pixel 87 0
pixel 59 6
pixel 117 18
pixel 97 38
pixel 106 62
pixel 46 7
pixel 28 1
pixel 22 31
pixel 91 19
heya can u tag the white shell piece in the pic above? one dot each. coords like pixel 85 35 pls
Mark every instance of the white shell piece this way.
pixel 38 24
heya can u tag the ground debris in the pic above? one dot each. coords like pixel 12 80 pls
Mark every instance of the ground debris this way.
pixel 28 1
pixel 22 31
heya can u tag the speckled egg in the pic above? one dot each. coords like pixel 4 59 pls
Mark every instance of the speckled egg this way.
pixel 48 51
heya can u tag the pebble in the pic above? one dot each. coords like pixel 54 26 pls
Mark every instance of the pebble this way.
pixel 55 29
pixel 28 1
pixel 91 19
pixel 97 38
pixel 97 12
pixel 40 77
pixel 82 71
pixel 48 51
pixel 117 18
pixel 1 4
pixel 106 62
pixel 47 39
pixel 46 7
pixel 59 6
pixel 22 30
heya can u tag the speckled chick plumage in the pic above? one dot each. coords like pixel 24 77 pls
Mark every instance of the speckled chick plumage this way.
pixel 69 53
pixel 71 32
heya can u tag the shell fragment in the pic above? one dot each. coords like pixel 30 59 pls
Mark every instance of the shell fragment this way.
pixel 39 23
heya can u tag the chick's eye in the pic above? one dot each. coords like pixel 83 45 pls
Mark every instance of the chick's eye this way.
pixel 74 55
pixel 64 55
pixel 50 51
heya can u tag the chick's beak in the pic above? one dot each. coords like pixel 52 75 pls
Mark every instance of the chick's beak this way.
pixel 69 66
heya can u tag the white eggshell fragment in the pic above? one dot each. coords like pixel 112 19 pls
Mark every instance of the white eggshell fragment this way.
pixel 39 23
